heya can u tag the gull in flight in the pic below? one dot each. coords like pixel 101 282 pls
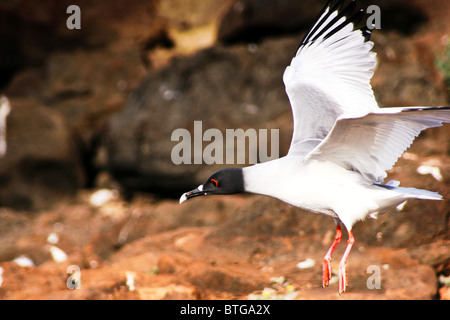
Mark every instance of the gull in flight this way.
pixel 342 143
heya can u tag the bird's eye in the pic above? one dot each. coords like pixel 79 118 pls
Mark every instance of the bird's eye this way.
pixel 215 183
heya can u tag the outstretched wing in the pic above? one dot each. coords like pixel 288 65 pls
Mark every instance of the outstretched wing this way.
pixel 373 143
pixel 329 76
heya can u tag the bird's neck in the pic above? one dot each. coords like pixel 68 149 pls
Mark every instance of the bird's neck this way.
pixel 260 178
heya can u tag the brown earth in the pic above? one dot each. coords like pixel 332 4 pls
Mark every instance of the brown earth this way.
pixel 232 247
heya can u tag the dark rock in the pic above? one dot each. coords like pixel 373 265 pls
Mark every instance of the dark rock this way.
pixel 41 164
pixel 84 74
pixel 30 31
pixel 253 20
pixel 224 87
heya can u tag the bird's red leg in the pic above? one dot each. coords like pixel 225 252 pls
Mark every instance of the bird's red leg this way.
pixel 343 278
pixel 326 272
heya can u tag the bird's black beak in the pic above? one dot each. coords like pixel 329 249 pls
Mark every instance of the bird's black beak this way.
pixel 193 193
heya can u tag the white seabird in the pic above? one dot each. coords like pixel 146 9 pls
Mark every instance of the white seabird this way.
pixel 342 143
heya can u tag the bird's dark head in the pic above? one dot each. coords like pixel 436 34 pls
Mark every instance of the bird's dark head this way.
pixel 226 181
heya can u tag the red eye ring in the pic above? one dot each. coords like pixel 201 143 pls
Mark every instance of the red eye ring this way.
pixel 214 181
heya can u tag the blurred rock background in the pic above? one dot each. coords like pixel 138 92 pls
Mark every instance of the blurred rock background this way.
pixel 95 109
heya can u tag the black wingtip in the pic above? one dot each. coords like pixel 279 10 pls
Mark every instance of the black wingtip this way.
pixel 343 11
pixel 413 109
pixel 331 8
pixel 356 18
pixel 311 29
pixel 366 32
pixel 338 6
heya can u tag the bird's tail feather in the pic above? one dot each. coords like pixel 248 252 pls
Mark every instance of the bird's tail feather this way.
pixel 411 193
pixel 418 193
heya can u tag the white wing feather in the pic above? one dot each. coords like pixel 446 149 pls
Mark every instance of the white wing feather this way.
pixel 329 76
pixel 336 117
pixel 372 144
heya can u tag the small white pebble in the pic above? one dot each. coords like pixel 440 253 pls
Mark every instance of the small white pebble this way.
pixel 250 108
pixel 434 171
pixel 401 206
pixel 308 263
pixel 5 108
pixel 334 280
pixel 57 254
pixel 379 236
pixel 277 280
pixel 444 280
pixel 410 156
pixel 52 238
pixel 24 261
pixel 130 280
pixel 102 196
pixel 267 292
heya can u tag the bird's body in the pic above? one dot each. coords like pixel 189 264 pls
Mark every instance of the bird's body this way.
pixel 326 188
pixel 342 143
pixel 316 186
